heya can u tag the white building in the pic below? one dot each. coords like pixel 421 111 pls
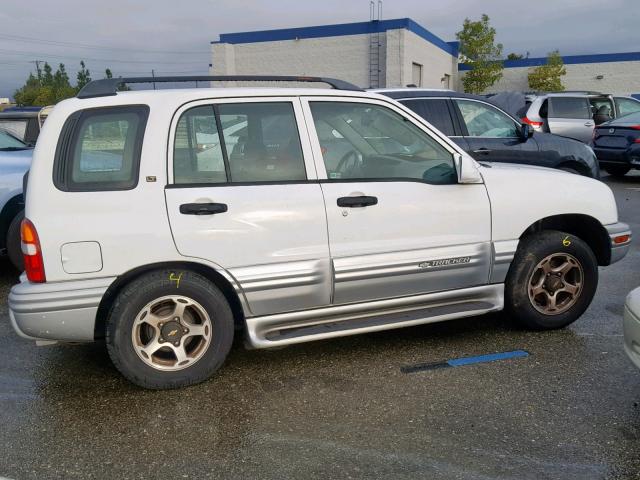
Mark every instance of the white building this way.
pixel 379 53
pixel 616 73
pixel 396 53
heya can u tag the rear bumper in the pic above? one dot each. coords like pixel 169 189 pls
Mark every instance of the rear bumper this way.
pixel 63 311
pixel 619 156
pixel 618 250
pixel 631 327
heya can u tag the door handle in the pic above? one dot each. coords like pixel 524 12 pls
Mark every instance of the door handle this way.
pixel 589 124
pixel 357 202
pixel 202 208
pixel 483 151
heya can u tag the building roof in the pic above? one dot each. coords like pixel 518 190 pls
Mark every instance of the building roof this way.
pixel 359 28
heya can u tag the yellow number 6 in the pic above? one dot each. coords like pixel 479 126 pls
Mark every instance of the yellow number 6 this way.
pixel 566 242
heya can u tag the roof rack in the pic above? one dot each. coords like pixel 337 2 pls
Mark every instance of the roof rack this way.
pixel 109 86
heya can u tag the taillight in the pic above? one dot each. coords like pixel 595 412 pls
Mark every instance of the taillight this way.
pixel 31 252
pixel 532 123
pixel 635 127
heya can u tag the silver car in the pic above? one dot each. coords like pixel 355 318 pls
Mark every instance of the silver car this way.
pixel 575 114
pixel 632 326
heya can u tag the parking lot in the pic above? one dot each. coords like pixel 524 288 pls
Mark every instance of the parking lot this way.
pixel 343 408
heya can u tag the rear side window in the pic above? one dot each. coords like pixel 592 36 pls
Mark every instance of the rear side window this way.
pixel 259 143
pixel 569 107
pixel 435 112
pixel 99 149
pixel 627 106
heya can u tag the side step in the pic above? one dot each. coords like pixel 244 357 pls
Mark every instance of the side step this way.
pixel 342 320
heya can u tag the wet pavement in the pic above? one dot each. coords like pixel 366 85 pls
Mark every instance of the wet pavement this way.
pixel 343 408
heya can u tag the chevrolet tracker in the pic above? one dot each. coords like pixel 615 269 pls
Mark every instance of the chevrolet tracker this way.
pixel 168 221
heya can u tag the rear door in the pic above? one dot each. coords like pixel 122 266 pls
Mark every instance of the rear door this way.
pixel 248 200
pixel 439 113
pixel 492 135
pixel 570 117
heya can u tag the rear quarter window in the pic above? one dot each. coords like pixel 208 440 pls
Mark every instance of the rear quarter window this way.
pixel 99 149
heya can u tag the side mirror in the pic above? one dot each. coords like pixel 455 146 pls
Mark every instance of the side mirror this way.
pixel 467 169
pixel 526 132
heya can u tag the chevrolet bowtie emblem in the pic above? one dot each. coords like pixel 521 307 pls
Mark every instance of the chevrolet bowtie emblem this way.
pixel 173 332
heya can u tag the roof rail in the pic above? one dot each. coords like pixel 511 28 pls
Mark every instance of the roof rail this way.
pixel 109 86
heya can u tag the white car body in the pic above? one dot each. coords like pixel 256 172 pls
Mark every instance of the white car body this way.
pixel 286 250
pixel 631 326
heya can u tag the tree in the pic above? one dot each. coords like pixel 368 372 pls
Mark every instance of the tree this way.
pixel 479 50
pixel 47 87
pixel 515 56
pixel 548 77
pixel 83 77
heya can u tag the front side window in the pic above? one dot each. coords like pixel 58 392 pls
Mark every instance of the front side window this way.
pixel 570 107
pixel 483 120
pixel 260 143
pixel 99 149
pixel 365 141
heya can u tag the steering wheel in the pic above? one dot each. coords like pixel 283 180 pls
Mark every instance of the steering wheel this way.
pixel 349 162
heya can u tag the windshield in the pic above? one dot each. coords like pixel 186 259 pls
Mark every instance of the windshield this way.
pixel 9 142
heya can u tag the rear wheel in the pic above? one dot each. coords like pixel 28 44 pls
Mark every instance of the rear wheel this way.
pixel 617 170
pixel 169 329
pixel 552 280
pixel 14 249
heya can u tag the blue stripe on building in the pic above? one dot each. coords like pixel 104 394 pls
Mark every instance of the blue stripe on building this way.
pixel 359 28
pixel 569 60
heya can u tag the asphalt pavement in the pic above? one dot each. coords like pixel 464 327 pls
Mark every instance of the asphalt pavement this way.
pixel 344 408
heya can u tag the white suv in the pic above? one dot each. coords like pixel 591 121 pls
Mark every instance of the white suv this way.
pixel 165 221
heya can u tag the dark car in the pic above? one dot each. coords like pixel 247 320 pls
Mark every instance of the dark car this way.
pixel 488 133
pixel 23 122
pixel 617 144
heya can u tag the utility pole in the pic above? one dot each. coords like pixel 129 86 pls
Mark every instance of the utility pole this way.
pixel 153 74
pixel 37 63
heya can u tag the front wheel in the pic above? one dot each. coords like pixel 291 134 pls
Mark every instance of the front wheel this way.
pixel 169 329
pixel 552 280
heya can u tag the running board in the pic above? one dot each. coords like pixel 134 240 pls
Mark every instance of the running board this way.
pixel 342 320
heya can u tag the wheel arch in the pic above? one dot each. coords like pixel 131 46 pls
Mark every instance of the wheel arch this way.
pixel 574 165
pixel 585 227
pixel 10 209
pixel 208 272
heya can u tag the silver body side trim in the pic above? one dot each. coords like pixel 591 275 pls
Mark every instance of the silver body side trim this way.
pixel 503 253
pixel 64 311
pixel 411 272
pixel 342 320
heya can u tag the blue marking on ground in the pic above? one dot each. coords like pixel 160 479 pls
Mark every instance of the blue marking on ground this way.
pixel 492 357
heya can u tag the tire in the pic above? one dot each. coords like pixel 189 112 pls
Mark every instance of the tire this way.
pixel 536 254
pixel 127 332
pixel 14 249
pixel 617 170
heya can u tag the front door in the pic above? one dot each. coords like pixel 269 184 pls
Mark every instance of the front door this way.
pixel 492 135
pixel 399 223
pixel 247 201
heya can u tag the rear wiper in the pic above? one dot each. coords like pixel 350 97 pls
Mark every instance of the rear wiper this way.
pixel 13 149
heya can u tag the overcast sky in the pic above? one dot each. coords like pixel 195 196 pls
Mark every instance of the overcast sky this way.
pixel 172 37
